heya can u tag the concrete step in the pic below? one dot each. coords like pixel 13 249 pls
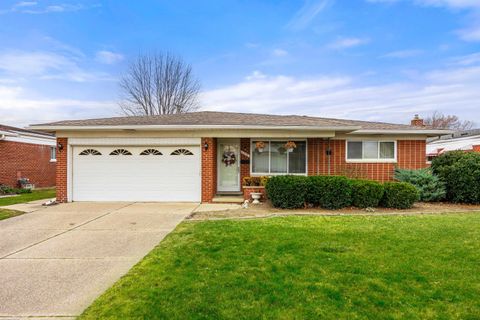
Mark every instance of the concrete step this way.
pixel 228 199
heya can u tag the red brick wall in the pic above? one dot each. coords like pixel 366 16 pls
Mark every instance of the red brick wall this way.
pixel 62 170
pixel 209 169
pixel 476 148
pixel 25 160
pixel 244 168
pixel 410 155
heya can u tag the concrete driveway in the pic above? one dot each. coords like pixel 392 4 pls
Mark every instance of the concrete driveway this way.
pixel 54 262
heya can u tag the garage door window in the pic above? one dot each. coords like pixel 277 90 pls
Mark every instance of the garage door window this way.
pixel 119 152
pixel 92 152
pixel 180 152
pixel 147 152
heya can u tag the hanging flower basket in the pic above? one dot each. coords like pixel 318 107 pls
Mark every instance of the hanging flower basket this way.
pixel 290 145
pixel 260 146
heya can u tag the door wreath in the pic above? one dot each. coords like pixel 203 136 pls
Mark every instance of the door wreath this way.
pixel 229 158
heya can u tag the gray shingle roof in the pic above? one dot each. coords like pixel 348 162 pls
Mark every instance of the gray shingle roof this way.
pixel 212 118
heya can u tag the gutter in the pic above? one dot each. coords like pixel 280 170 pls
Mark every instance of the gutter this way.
pixel 188 127
pixel 434 132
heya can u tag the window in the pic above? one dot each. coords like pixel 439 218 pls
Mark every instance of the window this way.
pixel 53 154
pixel 371 150
pixel 180 152
pixel 118 152
pixel 275 158
pixel 147 152
pixel 87 152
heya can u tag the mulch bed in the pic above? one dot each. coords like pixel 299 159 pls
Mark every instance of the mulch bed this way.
pixel 265 209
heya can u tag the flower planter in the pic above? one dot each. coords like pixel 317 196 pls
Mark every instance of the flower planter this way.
pixel 248 190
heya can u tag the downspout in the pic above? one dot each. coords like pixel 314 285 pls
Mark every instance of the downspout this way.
pixel 2 137
pixel 318 155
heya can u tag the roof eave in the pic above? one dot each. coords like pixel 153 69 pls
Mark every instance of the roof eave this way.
pixel 427 132
pixel 53 128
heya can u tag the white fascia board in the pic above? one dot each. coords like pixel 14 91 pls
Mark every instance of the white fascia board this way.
pixel 428 132
pixel 190 127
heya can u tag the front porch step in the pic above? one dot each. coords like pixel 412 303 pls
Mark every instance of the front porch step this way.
pixel 227 198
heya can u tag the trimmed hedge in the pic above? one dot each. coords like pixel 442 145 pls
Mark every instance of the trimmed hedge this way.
pixel 366 193
pixel 429 186
pixel 460 171
pixel 399 195
pixel 329 192
pixel 336 192
pixel 287 192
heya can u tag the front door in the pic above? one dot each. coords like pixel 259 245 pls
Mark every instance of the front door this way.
pixel 228 164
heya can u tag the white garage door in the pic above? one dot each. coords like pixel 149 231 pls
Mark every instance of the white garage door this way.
pixel 127 173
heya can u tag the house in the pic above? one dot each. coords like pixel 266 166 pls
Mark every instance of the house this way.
pixel 195 156
pixel 468 141
pixel 26 154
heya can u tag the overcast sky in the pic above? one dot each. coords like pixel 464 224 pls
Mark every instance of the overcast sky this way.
pixel 361 59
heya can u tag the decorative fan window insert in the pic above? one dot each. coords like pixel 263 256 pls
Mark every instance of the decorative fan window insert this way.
pixel 92 152
pixel 180 152
pixel 147 152
pixel 118 152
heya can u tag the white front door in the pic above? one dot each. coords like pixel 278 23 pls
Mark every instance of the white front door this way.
pixel 228 164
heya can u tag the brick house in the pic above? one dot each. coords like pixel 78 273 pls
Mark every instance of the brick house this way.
pixel 27 154
pixel 197 156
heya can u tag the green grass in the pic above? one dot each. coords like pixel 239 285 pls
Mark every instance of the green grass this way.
pixel 5 213
pixel 27 197
pixel 397 267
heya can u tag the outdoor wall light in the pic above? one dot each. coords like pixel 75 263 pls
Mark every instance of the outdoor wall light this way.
pixel 205 146
pixel 60 146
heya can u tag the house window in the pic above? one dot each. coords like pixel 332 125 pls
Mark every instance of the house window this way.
pixel 53 154
pixel 275 159
pixel 119 152
pixel 180 152
pixel 371 151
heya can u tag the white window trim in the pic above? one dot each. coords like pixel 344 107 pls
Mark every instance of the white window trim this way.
pixel 253 174
pixel 53 159
pixel 377 160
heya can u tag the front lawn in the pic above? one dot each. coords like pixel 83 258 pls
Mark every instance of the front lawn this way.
pixel 5 213
pixel 27 197
pixel 397 267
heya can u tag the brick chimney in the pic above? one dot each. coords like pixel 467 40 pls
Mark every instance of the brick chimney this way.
pixel 417 122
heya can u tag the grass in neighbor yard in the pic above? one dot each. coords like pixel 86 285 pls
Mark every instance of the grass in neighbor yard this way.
pixel 5 213
pixel 397 267
pixel 27 197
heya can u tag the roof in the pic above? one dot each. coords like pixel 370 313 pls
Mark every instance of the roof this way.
pixel 464 143
pixel 219 119
pixel 4 129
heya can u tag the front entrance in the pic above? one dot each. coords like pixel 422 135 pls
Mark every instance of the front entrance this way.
pixel 228 165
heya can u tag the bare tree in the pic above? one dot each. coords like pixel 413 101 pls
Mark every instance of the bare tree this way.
pixel 440 121
pixel 159 83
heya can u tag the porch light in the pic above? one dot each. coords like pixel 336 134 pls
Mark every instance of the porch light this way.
pixel 60 146
pixel 205 146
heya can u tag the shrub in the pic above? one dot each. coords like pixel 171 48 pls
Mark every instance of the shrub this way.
pixel 430 187
pixel 255 181
pixel 4 189
pixel 366 193
pixel 463 179
pixel 399 195
pixel 22 191
pixel 287 192
pixel 329 192
pixel 460 171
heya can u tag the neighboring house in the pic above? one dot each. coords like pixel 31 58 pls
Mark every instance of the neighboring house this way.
pixel 468 141
pixel 26 154
pixel 195 156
